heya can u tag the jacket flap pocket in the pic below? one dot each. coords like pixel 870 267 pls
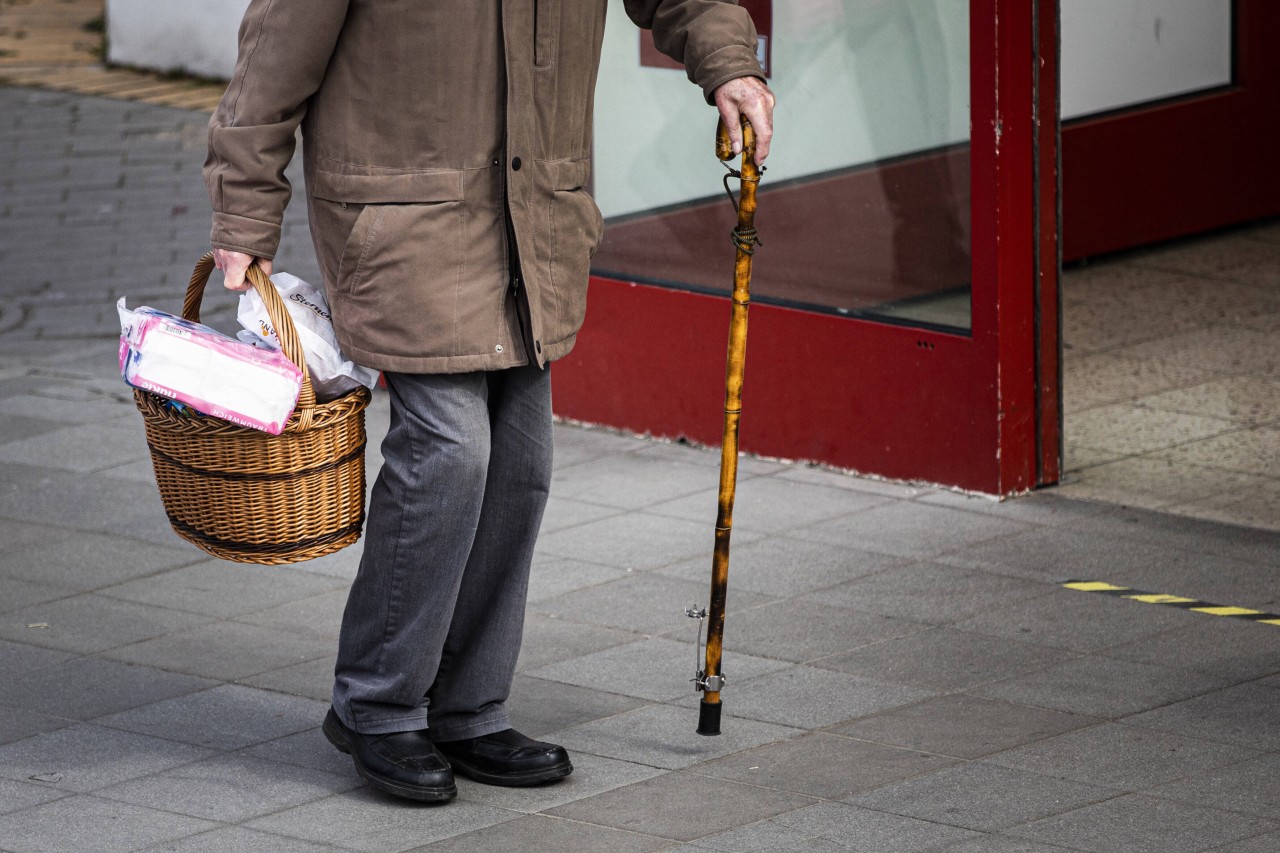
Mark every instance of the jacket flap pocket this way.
pixel 570 174
pixel 395 188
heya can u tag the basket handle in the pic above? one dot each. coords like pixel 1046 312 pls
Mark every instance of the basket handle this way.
pixel 280 319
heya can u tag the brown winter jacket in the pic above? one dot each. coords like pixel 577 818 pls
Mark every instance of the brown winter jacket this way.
pixel 419 118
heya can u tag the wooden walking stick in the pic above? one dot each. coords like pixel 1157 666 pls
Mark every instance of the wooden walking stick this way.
pixel 709 678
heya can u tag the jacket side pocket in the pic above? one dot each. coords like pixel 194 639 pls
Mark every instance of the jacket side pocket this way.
pixel 546 32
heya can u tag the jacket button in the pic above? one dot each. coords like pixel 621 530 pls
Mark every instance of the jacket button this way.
pixel 515 164
pixel 498 348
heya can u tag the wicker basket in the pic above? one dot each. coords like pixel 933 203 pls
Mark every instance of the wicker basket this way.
pixel 248 496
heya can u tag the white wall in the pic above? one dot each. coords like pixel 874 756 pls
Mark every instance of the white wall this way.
pixel 1121 52
pixel 197 36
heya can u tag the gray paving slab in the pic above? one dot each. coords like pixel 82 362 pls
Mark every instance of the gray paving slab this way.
pixel 18 658
pixel 837 826
pixel 656 669
pixel 227 717
pixel 19 595
pixel 908 529
pixel 1122 756
pixel 1102 687
pixel 592 775
pixel 579 443
pixel 1056 554
pixel 540 832
pixel 643 602
pixel 813 698
pixel 803 630
pixel 1137 824
pixel 1251 787
pixel 664 736
pixel 367 821
pixel 84 449
pixel 85 757
pixel 930 592
pixel 991 843
pixel 963 726
pixel 222 589
pixel 1077 621
pixel 1233 649
pixel 238 840
pixel 87 823
pixel 1245 714
pixel 1009 797
pixel 648 481
pixel 20 795
pixel 318 616
pixel 307 748
pixel 224 650
pixel 312 679
pixel 549 640
pixel 554 576
pixel 681 806
pixel 563 512
pixel 89 687
pixel 538 706
pixel 87 561
pixel 823 765
pixel 770 504
pixel 821 475
pixel 636 540
pixel 16 724
pixel 1267 843
pixel 785 566
pixel 943 658
pixel 88 624
pixel 229 788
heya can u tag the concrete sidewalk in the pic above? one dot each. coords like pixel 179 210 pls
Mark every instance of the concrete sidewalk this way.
pixel 905 672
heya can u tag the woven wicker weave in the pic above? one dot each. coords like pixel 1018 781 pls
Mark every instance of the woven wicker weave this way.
pixel 248 496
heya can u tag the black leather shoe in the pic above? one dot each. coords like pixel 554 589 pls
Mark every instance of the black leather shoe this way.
pixel 507 758
pixel 405 764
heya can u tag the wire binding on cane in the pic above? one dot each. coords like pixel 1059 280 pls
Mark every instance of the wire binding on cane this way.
pixel 744 240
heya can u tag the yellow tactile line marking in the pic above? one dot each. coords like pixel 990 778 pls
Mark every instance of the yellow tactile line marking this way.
pixel 1174 601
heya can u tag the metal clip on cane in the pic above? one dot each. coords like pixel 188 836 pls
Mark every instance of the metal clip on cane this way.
pixel 701 682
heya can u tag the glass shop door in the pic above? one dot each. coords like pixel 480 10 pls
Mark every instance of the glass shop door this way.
pixel 904 318
pixel 1170 119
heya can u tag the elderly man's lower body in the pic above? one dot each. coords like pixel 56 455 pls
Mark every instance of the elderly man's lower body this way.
pixel 433 624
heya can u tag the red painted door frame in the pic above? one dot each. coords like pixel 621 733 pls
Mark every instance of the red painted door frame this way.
pixel 1183 166
pixel 894 401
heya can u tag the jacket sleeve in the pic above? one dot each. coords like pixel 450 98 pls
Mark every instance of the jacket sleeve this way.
pixel 715 39
pixel 285 46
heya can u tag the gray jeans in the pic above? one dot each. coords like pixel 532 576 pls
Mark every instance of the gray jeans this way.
pixel 433 623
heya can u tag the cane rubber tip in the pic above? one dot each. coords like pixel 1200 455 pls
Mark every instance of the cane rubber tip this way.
pixel 709 718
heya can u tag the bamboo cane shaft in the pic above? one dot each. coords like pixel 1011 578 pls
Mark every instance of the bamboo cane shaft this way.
pixel 735 368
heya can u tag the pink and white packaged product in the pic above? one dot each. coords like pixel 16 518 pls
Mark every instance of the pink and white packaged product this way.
pixel 206 370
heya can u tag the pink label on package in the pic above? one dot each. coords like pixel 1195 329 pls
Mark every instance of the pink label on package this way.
pixel 208 371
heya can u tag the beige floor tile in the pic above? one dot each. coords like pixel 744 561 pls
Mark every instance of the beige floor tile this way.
pixel 1253 451
pixel 1254 507
pixel 1153 483
pixel 1262 322
pixel 1220 348
pixel 1252 400
pixel 1268 231
pixel 1104 281
pixel 1139 312
pixel 1078 458
pixel 1092 380
pixel 1127 429
pixel 1235 257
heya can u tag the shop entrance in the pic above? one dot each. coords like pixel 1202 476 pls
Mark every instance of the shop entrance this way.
pixel 904 321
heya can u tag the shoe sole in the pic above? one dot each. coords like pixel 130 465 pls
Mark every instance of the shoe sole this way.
pixel 511 780
pixel 399 789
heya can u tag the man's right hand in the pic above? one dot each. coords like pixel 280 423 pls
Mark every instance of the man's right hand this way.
pixel 234 265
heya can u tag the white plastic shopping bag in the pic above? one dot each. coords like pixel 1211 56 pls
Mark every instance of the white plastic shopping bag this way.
pixel 332 374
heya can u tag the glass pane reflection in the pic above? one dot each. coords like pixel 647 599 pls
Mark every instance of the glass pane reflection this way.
pixel 864 209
